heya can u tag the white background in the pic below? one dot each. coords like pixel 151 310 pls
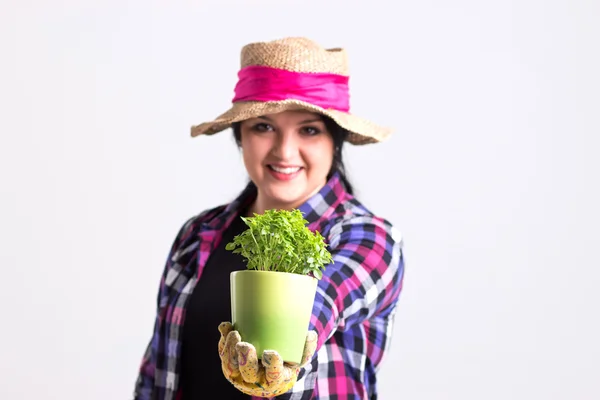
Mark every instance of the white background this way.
pixel 492 176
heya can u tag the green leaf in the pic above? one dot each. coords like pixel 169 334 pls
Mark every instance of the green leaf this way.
pixel 279 240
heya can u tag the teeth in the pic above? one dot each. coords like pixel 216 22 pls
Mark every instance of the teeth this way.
pixel 288 171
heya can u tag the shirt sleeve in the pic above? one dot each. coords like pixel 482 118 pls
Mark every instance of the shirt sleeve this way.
pixel 365 278
pixel 145 382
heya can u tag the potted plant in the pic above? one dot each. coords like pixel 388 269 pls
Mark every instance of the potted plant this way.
pixel 272 300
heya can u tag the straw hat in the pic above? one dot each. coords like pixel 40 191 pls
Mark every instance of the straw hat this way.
pixel 290 74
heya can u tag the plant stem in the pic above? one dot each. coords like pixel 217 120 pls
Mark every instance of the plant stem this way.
pixel 255 241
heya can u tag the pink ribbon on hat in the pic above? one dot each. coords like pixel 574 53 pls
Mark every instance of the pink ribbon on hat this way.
pixel 260 83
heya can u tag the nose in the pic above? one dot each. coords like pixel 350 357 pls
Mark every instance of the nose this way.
pixel 286 145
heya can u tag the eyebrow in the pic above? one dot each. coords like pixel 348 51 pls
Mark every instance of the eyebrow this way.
pixel 306 121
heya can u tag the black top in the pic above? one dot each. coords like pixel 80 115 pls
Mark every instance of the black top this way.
pixel 208 306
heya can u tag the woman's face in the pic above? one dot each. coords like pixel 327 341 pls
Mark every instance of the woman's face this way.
pixel 288 156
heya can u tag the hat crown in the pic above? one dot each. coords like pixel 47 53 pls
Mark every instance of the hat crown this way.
pixel 297 54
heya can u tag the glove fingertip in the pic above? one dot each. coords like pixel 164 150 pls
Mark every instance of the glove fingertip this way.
pixel 233 338
pixel 271 358
pixel 310 346
pixel 270 353
pixel 225 328
pixel 245 346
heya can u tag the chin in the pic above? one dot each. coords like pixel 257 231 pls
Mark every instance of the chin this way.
pixel 285 198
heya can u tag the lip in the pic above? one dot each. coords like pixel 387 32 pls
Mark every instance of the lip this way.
pixel 285 165
pixel 281 176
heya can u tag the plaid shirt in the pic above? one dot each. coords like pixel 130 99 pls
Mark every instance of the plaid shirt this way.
pixel 353 311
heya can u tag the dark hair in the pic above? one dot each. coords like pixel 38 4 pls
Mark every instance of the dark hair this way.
pixel 338 134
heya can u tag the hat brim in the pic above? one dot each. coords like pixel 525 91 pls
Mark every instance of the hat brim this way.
pixel 361 131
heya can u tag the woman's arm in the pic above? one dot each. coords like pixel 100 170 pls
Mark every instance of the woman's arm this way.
pixel 145 382
pixel 365 278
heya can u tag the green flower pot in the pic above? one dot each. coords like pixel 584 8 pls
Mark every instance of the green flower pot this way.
pixel 272 310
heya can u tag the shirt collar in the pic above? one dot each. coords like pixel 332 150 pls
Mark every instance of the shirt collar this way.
pixel 323 204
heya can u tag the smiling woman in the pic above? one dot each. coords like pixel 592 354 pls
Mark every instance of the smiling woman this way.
pixel 290 117
pixel 288 156
pixel 309 124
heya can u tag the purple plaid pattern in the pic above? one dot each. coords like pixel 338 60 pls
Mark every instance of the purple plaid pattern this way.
pixel 354 307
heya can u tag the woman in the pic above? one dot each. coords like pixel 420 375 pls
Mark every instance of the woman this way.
pixel 290 117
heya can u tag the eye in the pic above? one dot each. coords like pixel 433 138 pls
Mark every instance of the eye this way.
pixel 262 127
pixel 310 130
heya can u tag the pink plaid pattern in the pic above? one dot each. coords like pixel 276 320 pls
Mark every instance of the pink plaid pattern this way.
pixel 353 311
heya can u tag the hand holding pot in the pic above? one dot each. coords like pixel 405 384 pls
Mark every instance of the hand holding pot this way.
pixel 267 377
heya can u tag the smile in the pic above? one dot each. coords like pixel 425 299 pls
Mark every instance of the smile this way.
pixel 284 174
pixel 287 170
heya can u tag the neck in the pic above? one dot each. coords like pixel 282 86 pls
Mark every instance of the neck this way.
pixel 261 204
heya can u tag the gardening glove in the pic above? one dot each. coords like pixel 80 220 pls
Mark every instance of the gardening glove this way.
pixel 242 368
